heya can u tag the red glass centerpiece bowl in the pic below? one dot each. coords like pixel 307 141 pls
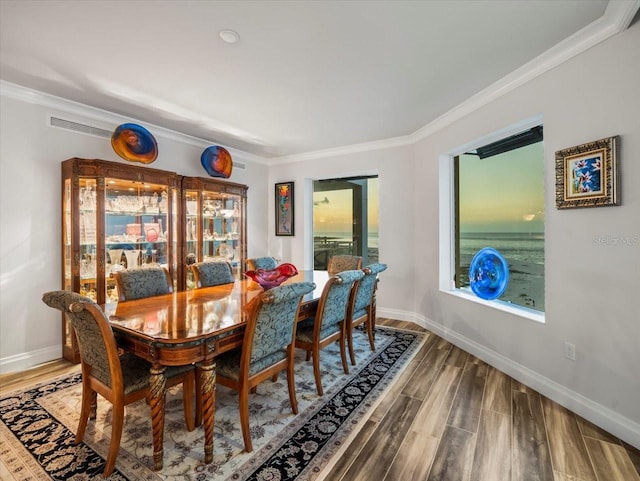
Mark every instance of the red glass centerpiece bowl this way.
pixel 270 278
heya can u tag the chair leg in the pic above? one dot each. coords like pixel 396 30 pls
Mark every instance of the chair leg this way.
pixel 292 387
pixel 244 418
pixel 316 370
pixel 89 398
pixel 350 343
pixel 343 355
pixel 117 421
pixel 93 414
pixel 188 387
pixel 370 333
pixel 274 378
pixel 308 355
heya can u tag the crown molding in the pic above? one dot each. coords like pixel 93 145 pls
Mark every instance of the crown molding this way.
pixel 79 110
pixel 345 150
pixel 616 18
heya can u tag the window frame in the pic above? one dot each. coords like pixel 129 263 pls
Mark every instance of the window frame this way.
pixel 360 209
pixel 447 220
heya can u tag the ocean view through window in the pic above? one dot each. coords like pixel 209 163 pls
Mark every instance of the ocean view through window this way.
pixel 345 219
pixel 500 203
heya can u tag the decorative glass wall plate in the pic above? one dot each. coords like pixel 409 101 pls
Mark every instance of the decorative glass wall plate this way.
pixel 134 143
pixel 217 161
pixel 488 273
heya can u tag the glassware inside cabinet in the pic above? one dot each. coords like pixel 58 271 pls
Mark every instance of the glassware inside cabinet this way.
pixel 212 223
pixel 87 236
pixel 136 223
pixel 191 234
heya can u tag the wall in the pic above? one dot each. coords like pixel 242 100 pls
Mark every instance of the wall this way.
pixel 30 156
pixel 394 167
pixel 590 285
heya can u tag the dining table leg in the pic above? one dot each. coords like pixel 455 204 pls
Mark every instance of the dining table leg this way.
pixel 207 372
pixel 157 385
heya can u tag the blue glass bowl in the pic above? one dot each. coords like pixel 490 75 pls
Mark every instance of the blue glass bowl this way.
pixel 134 143
pixel 488 273
pixel 217 161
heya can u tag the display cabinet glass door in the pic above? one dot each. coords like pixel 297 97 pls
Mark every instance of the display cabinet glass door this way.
pixel 137 227
pixel 193 232
pixel 84 253
pixel 214 226
pixel 221 228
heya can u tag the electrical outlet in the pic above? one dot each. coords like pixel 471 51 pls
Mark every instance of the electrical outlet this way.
pixel 570 351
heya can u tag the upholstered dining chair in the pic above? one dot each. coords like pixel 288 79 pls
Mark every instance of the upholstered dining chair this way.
pixel 362 310
pixel 265 263
pixel 121 380
pixel 143 282
pixel 212 273
pixel 339 263
pixel 267 348
pixel 329 324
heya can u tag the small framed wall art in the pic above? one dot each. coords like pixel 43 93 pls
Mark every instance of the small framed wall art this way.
pixel 587 175
pixel 284 209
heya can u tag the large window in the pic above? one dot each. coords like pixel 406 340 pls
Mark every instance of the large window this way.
pixel 345 219
pixel 500 203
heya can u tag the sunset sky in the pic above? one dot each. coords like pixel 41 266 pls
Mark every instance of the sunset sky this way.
pixel 335 215
pixel 503 193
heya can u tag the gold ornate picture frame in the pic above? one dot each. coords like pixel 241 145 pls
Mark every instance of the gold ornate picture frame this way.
pixel 587 175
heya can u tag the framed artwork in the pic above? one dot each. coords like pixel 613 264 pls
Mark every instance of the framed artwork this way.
pixel 284 209
pixel 588 175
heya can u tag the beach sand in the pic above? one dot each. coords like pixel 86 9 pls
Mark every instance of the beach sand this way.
pixel 526 285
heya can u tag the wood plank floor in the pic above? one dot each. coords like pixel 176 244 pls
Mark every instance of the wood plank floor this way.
pixel 452 417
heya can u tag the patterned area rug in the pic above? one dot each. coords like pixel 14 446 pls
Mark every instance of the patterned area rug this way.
pixel 37 425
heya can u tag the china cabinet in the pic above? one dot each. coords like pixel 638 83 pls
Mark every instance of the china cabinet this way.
pixel 115 216
pixel 214 224
pixel 118 216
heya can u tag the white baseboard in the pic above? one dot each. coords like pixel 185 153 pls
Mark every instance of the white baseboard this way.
pixel 28 360
pixel 620 426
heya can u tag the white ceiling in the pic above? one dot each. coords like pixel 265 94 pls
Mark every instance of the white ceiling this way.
pixel 305 75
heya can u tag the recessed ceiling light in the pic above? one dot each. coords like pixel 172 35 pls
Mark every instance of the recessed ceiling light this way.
pixel 229 36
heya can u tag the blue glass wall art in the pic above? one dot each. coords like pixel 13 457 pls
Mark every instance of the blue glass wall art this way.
pixel 488 273
pixel 134 143
pixel 217 161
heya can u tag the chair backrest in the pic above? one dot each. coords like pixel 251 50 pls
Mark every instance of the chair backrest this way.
pixel 334 301
pixel 271 326
pixel 367 286
pixel 340 263
pixel 143 282
pixel 265 263
pixel 212 273
pixel 96 342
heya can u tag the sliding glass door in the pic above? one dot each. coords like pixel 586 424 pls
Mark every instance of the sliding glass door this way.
pixel 345 219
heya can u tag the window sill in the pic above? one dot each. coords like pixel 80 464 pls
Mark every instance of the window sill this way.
pixel 516 310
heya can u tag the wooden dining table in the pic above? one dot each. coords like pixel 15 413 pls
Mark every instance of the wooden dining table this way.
pixel 192 327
